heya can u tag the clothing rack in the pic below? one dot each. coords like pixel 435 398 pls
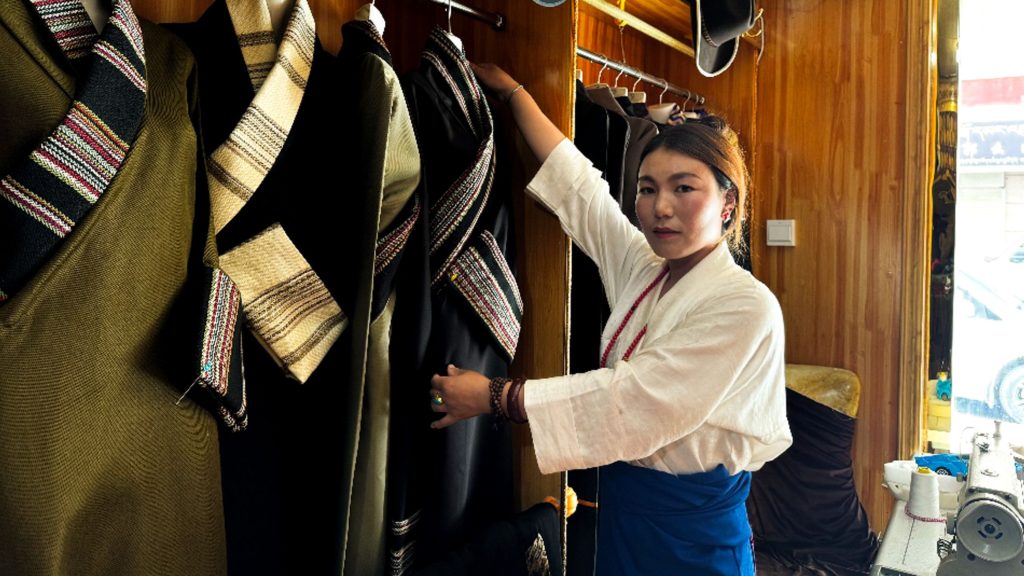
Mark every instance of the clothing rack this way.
pixel 642 26
pixel 640 75
pixel 495 19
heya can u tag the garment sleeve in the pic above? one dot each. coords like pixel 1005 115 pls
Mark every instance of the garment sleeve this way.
pixel 569 185
pixel 724 351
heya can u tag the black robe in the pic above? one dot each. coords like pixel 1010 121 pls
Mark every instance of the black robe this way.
pixel 449 483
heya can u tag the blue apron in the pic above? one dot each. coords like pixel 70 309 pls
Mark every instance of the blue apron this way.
pixel 653 522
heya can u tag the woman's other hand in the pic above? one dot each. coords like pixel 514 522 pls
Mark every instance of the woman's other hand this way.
pixel 495 79
pixel 460 395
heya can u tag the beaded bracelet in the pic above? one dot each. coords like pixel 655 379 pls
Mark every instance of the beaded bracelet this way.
pixel 515 415
pixel 496 386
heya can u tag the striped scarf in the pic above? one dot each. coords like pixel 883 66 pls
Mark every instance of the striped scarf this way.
pixel 287 306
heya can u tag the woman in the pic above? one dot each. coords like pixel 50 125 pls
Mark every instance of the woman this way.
pixel 691 395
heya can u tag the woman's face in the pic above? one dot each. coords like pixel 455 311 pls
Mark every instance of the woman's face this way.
pixel 680 205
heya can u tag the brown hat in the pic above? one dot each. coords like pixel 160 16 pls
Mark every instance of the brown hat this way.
pixel 717 27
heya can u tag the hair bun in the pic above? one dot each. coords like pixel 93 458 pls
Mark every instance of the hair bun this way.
pixel 715 122
pixel 719 125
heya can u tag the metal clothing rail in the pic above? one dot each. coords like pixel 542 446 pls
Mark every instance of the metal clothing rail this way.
pixel 640 75
pixel 654 32
pixel 495 19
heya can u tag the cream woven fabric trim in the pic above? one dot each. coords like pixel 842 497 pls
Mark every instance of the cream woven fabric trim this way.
pixel 286 304
pixel 251 20
pixel 238 166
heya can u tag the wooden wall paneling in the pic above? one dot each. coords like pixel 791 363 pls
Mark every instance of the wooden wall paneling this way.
pixel 537 48
pixel 170 10
pixel 832 154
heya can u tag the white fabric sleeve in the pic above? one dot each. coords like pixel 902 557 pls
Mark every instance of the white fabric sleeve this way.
pixel 722 353
pixel 569 185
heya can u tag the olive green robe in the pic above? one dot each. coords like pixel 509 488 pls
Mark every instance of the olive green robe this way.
pixel 101 472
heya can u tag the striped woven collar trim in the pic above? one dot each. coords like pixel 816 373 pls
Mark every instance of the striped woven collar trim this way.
pixel 255 34
pixel 451 62
pixel 44 197
pixel 238 166
pixel 69 24
pixel 361 36
pixel 454 214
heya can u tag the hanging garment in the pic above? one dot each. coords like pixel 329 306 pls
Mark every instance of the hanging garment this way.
pixel 588 315
pixel 461 305
pixel 626 104
pixel 692 383
pixel 377 113
pixel 592 130
pixel 105 468
pixel 618 141
pixel 298 483
pixel 640 110
pixel 640 133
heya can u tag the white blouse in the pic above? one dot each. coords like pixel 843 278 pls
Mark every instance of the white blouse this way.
pixel 706 384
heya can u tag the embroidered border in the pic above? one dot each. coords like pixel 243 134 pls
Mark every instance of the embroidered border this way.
pixel 368 32
pixel 391 243
pixel 69 24
pixel 402 559
pixel 42 198
pixel 220 349
pixel 537 563
pixel 454 215
pixel 482 276
pixel 221 320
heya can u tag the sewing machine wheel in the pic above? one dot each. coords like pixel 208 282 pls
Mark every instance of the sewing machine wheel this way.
pixel 990 530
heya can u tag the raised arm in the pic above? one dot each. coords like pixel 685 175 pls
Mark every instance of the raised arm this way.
pixel 540 133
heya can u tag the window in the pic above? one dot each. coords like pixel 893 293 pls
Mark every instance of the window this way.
pixel 987 362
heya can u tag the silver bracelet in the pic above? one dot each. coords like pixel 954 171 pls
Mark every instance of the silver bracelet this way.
pixel 513 93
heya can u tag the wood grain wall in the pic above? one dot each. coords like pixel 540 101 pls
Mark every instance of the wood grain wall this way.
pixel 828 119
pixel 537 47
pixel 832 151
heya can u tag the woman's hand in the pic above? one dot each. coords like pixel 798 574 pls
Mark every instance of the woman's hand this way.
pixel 495 79
pixel 541 135
pixel 463 394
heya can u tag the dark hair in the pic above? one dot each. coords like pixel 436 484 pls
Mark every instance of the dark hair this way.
pixel 711 141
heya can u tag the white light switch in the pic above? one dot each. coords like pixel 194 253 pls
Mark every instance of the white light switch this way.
pixel 781 232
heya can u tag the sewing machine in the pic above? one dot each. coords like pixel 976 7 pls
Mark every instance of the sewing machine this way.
pixel 988 529
pixel 983 536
